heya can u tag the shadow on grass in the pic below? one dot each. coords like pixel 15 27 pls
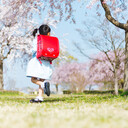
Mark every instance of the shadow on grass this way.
pixel 82 98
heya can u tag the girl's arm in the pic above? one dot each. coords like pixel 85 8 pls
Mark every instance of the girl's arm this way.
pixel 34 49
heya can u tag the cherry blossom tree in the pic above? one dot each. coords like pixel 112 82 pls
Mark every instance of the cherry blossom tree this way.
pixel 64 57
pixel 19 13
pixel 106 71
pixel 17 22
pixel 110 39
pixel 73 74
pixel 111 8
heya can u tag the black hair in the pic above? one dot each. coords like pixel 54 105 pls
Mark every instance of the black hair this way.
pixel 44 29
pixel 34 32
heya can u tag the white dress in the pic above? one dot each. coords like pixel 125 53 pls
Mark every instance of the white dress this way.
pixel 35 69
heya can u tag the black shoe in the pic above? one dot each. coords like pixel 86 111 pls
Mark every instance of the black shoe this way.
pixel 35 100
pixel 47 88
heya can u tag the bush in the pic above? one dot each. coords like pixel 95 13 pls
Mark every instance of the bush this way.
pixel 102 92
pixel 67 92
pixel 124 93
pixel 6 92
pixel 120 91
pixel 99 92
pixel 94 92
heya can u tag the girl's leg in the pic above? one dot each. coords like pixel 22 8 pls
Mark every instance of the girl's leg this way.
pixel 38 82
pixel 46 87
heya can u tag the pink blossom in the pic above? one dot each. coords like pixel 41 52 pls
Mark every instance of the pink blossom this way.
pixel 101 71
pixel 73 74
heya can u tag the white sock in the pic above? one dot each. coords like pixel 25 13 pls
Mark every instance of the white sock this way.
pixel 42 85
pixel 40 98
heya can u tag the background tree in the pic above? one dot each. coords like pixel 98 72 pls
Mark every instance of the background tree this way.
pixel 17 22
pixel 109 41
pixel 72 74
pixel 21 11
pixel 103 73
pixel 111 8
pixel 64 57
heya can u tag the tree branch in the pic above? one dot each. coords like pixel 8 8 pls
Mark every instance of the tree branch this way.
pixel 111 19
pixel 84 53
pixel 7 54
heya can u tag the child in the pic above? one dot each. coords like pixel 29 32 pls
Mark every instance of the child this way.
pixel 39 72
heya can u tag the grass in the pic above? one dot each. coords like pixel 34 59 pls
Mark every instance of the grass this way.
pixel 63 111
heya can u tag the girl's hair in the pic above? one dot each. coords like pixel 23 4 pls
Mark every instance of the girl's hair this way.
pixel 43 30
pixel 34 32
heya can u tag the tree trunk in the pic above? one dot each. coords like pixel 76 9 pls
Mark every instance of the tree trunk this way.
pixel 116 82
pixel 56 88
pixel 126 62
pixel 90 87
pixel 1 75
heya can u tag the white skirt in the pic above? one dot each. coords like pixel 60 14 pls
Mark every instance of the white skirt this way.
pixel 35 69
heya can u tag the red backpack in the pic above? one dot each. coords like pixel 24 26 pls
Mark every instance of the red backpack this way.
pixel 47 48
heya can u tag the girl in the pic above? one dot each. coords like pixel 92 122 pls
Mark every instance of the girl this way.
pixel 39 72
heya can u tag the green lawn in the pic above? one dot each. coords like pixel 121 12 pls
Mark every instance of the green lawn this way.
pixel 64 111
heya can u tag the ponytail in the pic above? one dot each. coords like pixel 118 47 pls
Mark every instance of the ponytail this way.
pixel 34 32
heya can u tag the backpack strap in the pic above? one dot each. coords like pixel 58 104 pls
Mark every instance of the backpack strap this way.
pixel 39 60
pixel 50 62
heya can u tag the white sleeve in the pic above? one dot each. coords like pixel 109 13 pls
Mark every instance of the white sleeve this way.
pixel 34 45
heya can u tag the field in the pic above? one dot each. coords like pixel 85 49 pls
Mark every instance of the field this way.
pixel 63 111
